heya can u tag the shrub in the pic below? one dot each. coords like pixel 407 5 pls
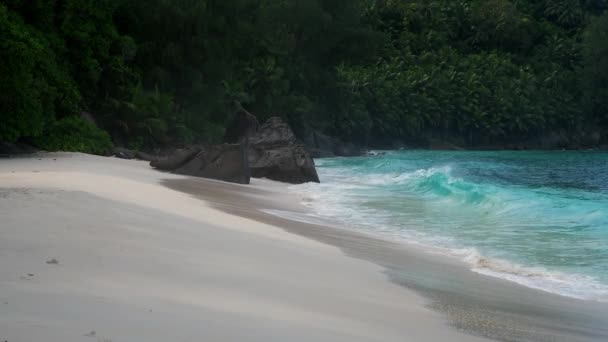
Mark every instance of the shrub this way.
pixel 75 134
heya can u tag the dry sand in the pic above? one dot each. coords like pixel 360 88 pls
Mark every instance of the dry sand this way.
pixel 97 249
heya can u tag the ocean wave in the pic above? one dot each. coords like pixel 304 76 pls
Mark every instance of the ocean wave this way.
pixel 436 182
pixel 434 208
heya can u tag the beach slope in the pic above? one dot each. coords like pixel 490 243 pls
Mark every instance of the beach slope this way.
pixel 97 249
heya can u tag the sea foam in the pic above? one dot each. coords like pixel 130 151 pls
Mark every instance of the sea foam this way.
pixel 481 211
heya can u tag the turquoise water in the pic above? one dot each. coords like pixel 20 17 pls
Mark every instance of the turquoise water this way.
pixel 536 218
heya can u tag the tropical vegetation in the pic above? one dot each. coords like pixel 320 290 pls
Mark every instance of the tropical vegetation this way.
pixel 168 72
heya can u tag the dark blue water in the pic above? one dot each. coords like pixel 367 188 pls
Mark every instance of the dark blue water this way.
pixel 536 218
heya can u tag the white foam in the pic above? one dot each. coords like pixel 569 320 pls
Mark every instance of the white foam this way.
pixel 330 200
pixel 565 284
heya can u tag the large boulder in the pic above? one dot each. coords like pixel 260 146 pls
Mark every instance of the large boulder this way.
pixel 275 153
pixel 243 126
pixel 227 162
pixel 145 156
pixel 176 159
pixel 290 164
pixel 274 133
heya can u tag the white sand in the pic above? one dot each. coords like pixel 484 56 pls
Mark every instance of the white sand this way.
pixel 140 262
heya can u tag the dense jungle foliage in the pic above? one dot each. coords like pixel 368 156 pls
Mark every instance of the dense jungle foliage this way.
pixel 165 72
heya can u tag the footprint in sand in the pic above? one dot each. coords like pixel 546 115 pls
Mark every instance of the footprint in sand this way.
pixel 52 262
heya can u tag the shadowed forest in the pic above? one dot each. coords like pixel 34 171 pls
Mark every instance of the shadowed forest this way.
pixel 376 73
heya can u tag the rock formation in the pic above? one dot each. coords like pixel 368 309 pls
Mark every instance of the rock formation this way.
pixel 243 126
pixel 268 151
pixel 226 162
pixel 275 153
pixel 176 159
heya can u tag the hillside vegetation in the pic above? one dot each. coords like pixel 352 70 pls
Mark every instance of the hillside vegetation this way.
pixel 374 72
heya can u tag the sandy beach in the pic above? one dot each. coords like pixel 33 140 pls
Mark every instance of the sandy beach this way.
pixel 103 249
pixel 98 249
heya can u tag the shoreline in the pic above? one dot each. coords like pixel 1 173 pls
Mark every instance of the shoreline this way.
pixel 479 304
pixel 95 248
pixel 433 291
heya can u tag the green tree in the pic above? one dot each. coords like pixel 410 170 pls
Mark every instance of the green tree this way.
pixel 595 69
pixel 33 84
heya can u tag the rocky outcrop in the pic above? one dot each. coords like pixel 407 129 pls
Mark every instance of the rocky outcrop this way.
pixel 227 162
pixel 290 164
pixel 177 159
pixel 243 126
pixel 145 156
pixel 275 153
pixel 273 133
pixel 268 151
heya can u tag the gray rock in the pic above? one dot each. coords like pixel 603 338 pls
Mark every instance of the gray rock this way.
pixel 290 164
pixel 272 152
pixel 243 126
pixel 275 153
pixel 176 160
pixel 318 153
pixel 274 133
pixel 227 162
pixel 145 156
